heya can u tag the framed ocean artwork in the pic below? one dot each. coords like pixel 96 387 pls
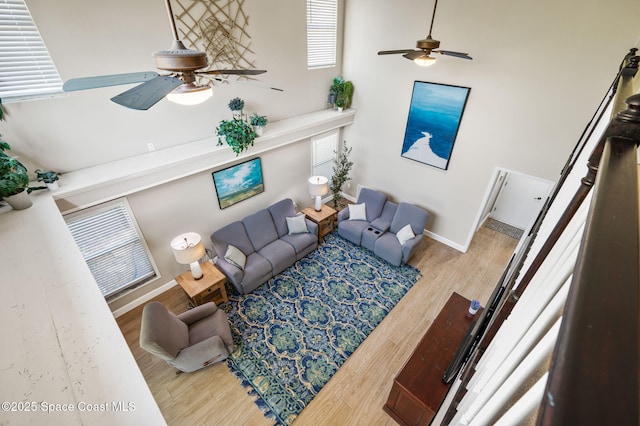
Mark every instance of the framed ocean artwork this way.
pixel 239 182
pixel 434 118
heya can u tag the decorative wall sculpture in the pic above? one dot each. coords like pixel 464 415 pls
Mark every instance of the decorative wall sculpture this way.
pixel 217 27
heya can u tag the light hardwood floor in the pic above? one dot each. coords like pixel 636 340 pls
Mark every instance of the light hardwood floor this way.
pixel 356 393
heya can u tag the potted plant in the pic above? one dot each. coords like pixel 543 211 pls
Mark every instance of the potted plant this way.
pixel 335 90
pixel 14 181
pixel 347 93
pixel 49 178
pixel 236 105
pixel 237 133
pixel 340 175
pixel 258 122
pixel 340 104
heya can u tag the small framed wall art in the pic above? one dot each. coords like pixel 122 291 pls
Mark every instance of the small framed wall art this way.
pixel 432 125
pixel 239 182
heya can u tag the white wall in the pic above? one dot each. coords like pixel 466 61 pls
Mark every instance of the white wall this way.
pixel 88 38
pixel 539 71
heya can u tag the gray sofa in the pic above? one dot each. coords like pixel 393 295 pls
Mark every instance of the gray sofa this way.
pixel 392 231
pixel 268 243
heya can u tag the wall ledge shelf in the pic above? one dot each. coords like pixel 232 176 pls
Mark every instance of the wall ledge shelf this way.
pixel 94 185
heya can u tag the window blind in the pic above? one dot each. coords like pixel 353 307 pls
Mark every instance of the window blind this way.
pixel 112 246
pixel 324 154
pixel 322 26
pixel 26 69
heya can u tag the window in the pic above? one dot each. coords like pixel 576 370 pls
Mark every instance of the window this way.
pixel 323 155
pixel 112 245
pixel 26 69
pixel 322 26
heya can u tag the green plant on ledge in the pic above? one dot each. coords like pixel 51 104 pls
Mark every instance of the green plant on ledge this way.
pixel 46 176
pixel 238 134
pixel 259 120
pixel 341 170
pixel 13 175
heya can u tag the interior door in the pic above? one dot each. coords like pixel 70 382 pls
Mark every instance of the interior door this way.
pixel 520 200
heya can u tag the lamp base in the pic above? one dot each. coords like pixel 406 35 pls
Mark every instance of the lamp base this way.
pixel 318 204
pixel 196 270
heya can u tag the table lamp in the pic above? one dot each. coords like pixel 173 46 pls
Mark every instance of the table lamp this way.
pixel 188 249
pixel 318 186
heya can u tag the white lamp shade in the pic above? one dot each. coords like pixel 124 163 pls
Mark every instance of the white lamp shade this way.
pixel 425 60
pixel 318 185
pixel 187 248
pixel 190 94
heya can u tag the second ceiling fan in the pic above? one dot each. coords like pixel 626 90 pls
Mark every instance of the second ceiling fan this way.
pixel 180 85
pixel 425 47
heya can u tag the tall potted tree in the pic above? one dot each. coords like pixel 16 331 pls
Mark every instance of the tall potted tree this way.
pixel 341 170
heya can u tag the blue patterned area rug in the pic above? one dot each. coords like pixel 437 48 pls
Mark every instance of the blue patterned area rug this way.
pixel 294 332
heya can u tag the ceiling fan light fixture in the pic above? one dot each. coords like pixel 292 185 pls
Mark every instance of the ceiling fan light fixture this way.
pixel 190 94
pixel 425 60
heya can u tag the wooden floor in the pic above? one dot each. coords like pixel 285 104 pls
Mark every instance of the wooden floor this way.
pixel 356 393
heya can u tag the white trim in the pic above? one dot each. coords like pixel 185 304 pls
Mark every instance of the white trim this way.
pixel 445 241
pixel 144 298
pixel 95 185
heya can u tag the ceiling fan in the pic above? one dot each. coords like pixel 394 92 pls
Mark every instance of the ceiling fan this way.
pixel 422 55
pixel 179 86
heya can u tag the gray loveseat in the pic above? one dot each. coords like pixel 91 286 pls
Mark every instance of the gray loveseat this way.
pixel 392 231
pixel 260 246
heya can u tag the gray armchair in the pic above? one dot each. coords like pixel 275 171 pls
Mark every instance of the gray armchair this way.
pixel 388 246
pixel 192 340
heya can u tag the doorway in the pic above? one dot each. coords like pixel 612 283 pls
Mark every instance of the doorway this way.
pixel 513 202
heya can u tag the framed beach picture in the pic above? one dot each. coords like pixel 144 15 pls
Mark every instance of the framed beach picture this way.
pixel 239 182
pixel 434 118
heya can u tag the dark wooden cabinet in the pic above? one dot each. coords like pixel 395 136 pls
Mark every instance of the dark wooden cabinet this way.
pixel 418 390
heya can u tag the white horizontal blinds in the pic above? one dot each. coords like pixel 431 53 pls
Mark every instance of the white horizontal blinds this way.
pixel 26 69
pixel 322 29
pixel 112 247
pixel 323 154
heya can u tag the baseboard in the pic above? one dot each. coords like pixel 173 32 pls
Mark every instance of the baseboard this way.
pixel 148 296
pixel 445 241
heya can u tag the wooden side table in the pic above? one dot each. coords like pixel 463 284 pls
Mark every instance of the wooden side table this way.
pixel 325 218
pixel 208 288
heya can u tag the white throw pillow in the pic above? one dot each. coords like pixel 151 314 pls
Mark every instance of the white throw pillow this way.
pixel 235 257
pixel 297 224
pixel 405 234
pixel 357 212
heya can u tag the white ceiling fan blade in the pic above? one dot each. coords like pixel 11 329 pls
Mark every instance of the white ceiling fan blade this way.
pixel 84 83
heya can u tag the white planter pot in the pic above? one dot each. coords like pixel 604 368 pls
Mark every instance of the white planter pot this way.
pixel 19 201
pixel 259 130
pixel 52 186
pixel 472 311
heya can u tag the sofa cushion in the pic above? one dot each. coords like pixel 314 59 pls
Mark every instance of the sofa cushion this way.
pixel 235 256
pixel 358 211
pixel 260 228
pixel 374 200
pixel 405 234
pixel 388 248
pixel 232 233
pixel 296 224
pixel 279 254
pixel 384 221
pixel 256 271
pixel 303 244
pixel 413 215
pixel 352 230
pixel 279 211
